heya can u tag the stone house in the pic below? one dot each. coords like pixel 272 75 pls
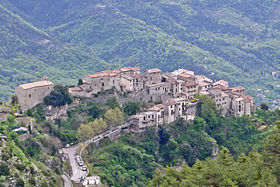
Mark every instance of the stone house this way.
pixel 159 110
pixel 101 81
pixel 221 83
pixel 146 119
pixel 153 76
pixel 31 94
pixel 238 90
pixel 159 88
pixel 170 108
pixel 201 78
pixel 238 106
pixel 133 82
pixel 186 77
pixel 180 71
pixel 127 71
pixel 190 89
pixel 204 85
pixel 126 83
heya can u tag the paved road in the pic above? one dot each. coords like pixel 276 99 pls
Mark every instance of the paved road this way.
pixel 72 151
pixel 76 169
pixel 67 181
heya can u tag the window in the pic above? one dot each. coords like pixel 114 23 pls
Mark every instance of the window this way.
pixel 35 90
pixel 29 95
pixel 102 84
pixel 113 81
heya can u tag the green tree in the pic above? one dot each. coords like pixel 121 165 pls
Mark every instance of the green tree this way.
pixel 20 183
pixel 272 152
pixel 59 96
pixel 264 106
pixel 113 102
pixel 80 82
pixel 132 107
pixel 85 132
pixel 114 117
pixel 4 170
pixel 98 125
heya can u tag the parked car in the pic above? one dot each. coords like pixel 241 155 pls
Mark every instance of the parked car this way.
pixel 78 160
pixel 84 168
pixel 80 163
pixel 78 181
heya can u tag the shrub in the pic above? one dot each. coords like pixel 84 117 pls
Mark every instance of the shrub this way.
pixel 4 170
pixel 58 97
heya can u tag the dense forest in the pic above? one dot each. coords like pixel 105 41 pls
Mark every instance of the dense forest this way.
pixel 233 40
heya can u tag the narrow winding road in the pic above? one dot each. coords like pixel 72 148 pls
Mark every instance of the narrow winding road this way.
pixel 77 171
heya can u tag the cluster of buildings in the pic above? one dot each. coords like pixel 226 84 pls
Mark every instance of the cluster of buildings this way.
pixel 181 86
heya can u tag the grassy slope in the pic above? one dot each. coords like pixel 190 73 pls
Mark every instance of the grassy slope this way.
pixel 237 41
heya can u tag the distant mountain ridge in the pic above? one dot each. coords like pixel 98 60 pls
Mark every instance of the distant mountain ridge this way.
pixel 237 41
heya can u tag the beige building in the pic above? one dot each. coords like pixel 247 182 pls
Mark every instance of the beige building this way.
pixel 159 88
pixel 190 89
pixel 170 108
pixel 31 94
pixel 128 71
pixel 238 90
pixel 159 110
pixel 153 76
pixel 101 81
pixel 186 77
pixel 221 83
pixel 133 82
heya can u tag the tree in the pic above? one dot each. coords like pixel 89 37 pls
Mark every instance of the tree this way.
pixel 132 107
pixel 98 125
pixel 20 183
pixel 272 152
pixel 94 110
pixel 4 170
pixel 200 124
pixel 85 132
pixel 59 96
pixel 114 117
pixel 207 110
pixel 264 106
pixel 113 102
pixel 80 82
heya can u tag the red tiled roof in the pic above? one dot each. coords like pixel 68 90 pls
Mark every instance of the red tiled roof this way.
pixel 172 81
pixel 238 88
pixel 247 98
pixel 130 69
pixel 185 75
pixel 155 70
pixel 106 73
pixel 221 82
pixel 220 87
pixel 170 103
pixel 192 83
pixel 137 75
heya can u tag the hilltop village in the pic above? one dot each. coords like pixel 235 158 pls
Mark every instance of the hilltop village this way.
pixel 175 91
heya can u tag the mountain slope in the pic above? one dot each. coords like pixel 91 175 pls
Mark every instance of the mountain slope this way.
pixel 237 41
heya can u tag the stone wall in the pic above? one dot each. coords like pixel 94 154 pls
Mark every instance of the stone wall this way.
pixel 29 98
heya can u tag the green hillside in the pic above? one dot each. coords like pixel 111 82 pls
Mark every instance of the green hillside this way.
pixel 237 41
